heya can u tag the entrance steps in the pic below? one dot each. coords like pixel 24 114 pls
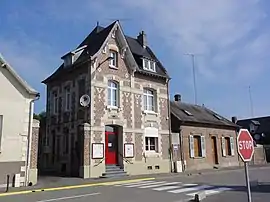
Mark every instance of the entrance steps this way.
pixel 113 171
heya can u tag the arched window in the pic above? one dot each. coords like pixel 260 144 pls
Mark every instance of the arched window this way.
pixel 149 100
pixel 113 94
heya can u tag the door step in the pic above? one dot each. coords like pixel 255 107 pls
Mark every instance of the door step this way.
pixel 113 171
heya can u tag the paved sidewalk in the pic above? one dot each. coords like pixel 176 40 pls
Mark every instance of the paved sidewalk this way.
pixel 51 181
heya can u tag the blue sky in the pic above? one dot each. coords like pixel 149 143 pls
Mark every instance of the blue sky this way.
pixel 231 39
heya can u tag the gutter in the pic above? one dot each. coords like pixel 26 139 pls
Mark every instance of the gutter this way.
pixel 169 122
pixel 29 138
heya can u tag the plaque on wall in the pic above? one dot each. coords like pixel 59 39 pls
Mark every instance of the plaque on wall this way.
pixel 97 150
pixel 129 150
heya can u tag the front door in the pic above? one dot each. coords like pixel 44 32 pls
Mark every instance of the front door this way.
pixel 214 149
pixel 110 148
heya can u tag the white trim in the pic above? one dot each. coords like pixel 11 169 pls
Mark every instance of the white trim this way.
pixel 149 94
pixel 149 67
pixel 113 90
pixel 151 132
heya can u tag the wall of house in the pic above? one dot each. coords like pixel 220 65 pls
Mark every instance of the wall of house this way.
pixel 129 116
pixel 207 162
pixel 14 107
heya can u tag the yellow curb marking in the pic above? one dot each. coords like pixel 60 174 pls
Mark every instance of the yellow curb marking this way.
pixel 75 186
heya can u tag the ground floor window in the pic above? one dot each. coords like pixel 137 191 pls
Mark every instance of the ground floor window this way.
pixel 227 144
pixel 151 139
pixel 197 146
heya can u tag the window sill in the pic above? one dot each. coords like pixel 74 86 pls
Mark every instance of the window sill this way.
pixel 151 154
pixel 198 157
pixel 111 108
pixel 146 112
pixel 113 67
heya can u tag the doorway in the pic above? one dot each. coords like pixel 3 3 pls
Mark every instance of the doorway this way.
pixel 214 149
pixel 111 145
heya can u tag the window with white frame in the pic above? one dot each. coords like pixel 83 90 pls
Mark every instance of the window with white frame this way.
pixel 149 100
pixel 197 146
pixel 151 139
pixel 149 65
pixel 113 58
pixel 55 102
pixel 67 98
pixel 113 94
pixel 227 146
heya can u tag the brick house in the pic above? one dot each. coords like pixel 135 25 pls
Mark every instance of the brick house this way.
pixel 18 130
pixel 125 126
pixel 207 140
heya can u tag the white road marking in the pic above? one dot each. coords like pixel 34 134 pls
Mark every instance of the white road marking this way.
pixel 69 197
pixel 166 188
pixel 143 184
pixel 191 185
pixel 212 191
pixel 177 191
pixel 158 185
pixel 133 183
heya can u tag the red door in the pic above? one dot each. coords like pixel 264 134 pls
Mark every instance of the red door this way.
pixel 110 148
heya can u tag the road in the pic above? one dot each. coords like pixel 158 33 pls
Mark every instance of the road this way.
pixel 220 186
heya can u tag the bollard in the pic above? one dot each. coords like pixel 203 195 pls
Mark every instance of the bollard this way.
pixel 7 188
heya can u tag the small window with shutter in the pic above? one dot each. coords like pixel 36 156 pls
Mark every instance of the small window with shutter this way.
pixel 227 145
pixel 232 145
pixel 197 146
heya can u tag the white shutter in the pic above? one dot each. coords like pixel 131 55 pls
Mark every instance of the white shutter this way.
pixel 203 146
pixel 223 146
pixel 191 146
pixel 232 145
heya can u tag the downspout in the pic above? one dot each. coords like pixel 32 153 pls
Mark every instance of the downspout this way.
pixel 181 149
pixel 29 138
pixel 90 113
pixel 169 123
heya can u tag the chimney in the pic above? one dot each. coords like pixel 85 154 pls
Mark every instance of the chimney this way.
pixel 234 119
pixel 142 39
pixel 177 98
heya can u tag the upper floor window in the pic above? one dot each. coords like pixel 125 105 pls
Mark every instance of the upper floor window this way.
pixel 67 98
pixel 149 100
pixel 113 94
pixel 113 58
pixel 149 65
pixel 55 102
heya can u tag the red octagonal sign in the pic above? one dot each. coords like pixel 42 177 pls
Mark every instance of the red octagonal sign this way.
pixel 245 145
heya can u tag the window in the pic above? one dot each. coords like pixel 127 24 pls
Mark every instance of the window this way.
pixel 197 146
pixel 113 94
pixel 151 139
pixel 1 129
pixel 227 145
pixel 148 100
pixel 151 144
pixel 149 65
pixel 55 102
pixel 67 98
pixel 113 58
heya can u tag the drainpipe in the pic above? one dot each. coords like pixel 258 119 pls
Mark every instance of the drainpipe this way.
pixel 169 123
pixel 29 138
pixel 181 149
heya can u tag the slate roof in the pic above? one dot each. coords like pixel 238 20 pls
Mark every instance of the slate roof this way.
pixel 264 126
pixel 28 88
pixel 94 42
pixel 199 114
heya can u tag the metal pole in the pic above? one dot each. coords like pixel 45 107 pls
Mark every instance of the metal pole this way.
pixel 194 78
pixel 247 182
pixel 251 102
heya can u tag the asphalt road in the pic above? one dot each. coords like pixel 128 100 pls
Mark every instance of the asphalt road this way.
pixel 220 186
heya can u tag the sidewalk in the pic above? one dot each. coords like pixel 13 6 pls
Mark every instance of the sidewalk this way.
pixel 52 182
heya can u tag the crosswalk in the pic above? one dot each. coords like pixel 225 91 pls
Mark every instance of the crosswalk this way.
pixel 176 187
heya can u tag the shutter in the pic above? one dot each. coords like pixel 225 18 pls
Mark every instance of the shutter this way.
pixel 232 146
pixel 223 147
pixel 203 146
pixel 191 146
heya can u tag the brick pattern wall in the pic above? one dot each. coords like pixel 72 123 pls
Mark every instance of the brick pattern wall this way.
pixel 99 105
pixel 138 146
pixel 163 109
pixel 86 148
pixel 97 136
pixel 127 108
pixel 34 145
pixel 137 111
pixel 165 144
pixel 128 138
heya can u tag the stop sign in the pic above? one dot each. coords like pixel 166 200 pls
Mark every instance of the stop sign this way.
pixel 245 145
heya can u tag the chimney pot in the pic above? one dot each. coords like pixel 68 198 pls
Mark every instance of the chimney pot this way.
pixel 142 39
pixel 177 97
pixel 234 119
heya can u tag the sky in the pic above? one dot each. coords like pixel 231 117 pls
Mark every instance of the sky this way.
pixel 230 40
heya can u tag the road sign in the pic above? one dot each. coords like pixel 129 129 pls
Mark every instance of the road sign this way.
pixel 245 145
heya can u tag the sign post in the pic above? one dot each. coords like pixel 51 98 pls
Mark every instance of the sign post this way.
pixel 245 148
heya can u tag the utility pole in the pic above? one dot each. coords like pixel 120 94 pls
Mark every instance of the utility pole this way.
pixel 194 76
pixel 251 102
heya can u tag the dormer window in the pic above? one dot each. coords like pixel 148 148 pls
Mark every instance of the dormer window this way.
pixel 149 65
pixel 113 59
